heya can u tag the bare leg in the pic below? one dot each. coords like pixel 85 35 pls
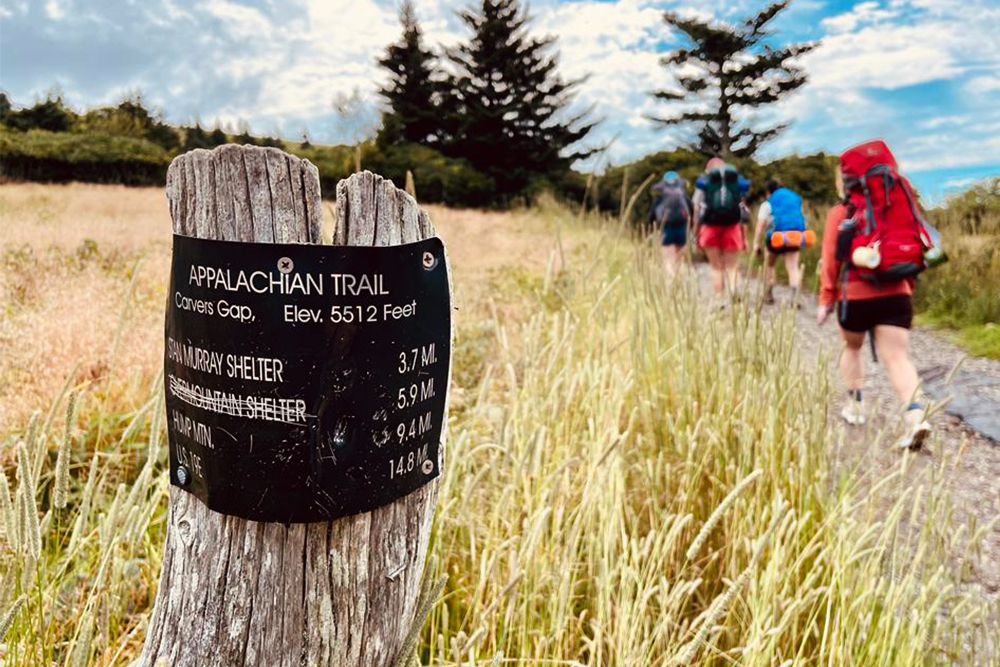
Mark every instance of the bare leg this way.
pixel 794 270
pixel 892 345
pixel 731 262
pixel 715 263
pixel 769 261
pixel 671 257
pixel 852 371
pixel 852 368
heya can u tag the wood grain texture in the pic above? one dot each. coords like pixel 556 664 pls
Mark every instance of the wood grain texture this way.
pixel 237 593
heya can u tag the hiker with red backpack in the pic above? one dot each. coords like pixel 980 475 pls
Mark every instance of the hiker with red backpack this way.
pixel 719 213
pixel 783 224
pixel 874 246
pixel 671 210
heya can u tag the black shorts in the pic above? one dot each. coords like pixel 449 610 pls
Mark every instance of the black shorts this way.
pixel 781 251
pixel 865 314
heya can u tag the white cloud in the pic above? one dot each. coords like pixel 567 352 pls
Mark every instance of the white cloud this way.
pixel 280 65
pixel 54 10
pixel 239 20
pixel 960 183
pixel 982 85
pixel 862 13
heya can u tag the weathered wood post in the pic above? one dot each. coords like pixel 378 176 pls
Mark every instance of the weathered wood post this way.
pixel 241 593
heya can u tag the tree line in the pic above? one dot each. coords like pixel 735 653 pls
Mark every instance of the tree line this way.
pixel 487 122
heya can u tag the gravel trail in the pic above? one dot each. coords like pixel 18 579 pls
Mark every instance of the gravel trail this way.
pixel 960 434
pixel 963 427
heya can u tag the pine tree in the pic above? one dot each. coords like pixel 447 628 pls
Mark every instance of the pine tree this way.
pixel 244 137
pixel 217 137
pixel 195 137
pixel 505 106
pixel 734 70
pixel 411 92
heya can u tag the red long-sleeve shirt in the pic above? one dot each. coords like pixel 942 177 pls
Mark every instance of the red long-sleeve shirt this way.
pixel 831 290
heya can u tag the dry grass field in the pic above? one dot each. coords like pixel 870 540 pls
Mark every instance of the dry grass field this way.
pixel 84 279
pixel 633 479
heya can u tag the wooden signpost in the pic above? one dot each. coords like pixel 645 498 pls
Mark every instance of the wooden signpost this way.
pixel 240 593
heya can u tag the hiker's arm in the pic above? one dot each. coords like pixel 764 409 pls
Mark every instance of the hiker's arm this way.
pixel 757 230
pixel 830 268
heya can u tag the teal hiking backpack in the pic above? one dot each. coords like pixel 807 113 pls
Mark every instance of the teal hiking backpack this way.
pixel 722 196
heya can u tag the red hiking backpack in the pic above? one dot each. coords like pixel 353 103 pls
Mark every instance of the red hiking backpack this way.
pixel 882 215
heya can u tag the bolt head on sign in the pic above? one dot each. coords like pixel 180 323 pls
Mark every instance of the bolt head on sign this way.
pixel 305 383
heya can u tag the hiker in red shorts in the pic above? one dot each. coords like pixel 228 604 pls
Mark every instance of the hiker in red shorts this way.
pixel 719 212
pixel 873 247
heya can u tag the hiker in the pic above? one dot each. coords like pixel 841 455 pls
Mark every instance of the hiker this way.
pixel 873 248
pixel 671 210
pixel 719 212
pixel 783 224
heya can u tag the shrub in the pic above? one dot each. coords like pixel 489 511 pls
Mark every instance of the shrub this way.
pixel 438 179
pixel 38 155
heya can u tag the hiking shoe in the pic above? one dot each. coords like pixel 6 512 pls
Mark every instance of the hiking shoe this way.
pixel 916 430
pixel 769 298
pixel 853 413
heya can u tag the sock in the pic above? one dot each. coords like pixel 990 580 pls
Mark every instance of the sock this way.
pixel 914 406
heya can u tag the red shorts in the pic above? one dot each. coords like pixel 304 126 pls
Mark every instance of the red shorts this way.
pixel 728 237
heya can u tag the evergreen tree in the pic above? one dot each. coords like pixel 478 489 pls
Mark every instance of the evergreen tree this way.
pixel 195 137
pixel 244 137
pixel 410 93
pixel 505 106
pixel 6 108
pixel 49 114
pixel 218 137
pixel 734 70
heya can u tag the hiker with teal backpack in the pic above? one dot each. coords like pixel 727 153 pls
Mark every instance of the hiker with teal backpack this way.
pixel 783 224
pixel 719 212
pixel 671 210
pixel 875 244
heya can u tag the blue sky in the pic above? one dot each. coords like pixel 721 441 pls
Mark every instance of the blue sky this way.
pixel 923 74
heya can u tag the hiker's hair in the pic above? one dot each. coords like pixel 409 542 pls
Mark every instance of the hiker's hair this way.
pixel 773 185
pixel 838 181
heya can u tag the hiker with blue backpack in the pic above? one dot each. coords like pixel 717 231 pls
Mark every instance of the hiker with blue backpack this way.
pixel 671 210
pixel 875 243
pixel 783 224
pixel 719 209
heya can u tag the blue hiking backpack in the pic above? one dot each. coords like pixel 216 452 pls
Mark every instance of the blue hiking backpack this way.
pixel 786 211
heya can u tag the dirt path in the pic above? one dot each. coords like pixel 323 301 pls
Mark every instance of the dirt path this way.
pixel 973 470
pixel 974 478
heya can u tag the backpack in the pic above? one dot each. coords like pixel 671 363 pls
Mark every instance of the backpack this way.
pixel 786 211
pixel 884 237
pixel 671 208
pixel 722 197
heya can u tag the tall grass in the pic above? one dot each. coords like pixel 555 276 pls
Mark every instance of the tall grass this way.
pixel 964 294
pixel 640 480
pixel 633 479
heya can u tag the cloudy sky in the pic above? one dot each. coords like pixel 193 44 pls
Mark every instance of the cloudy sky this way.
pixel 924 74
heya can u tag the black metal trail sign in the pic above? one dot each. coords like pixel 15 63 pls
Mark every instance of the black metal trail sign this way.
pixel 305 382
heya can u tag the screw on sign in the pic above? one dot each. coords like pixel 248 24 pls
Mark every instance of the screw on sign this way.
pixel 281 599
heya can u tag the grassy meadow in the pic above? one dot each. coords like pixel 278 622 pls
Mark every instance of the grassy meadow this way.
pixel 633 478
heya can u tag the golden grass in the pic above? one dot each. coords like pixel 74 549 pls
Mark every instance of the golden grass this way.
pixel 634 479
pixel 76 258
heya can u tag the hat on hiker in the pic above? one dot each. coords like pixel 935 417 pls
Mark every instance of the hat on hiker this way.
pixel 714 162
pixel 670 175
